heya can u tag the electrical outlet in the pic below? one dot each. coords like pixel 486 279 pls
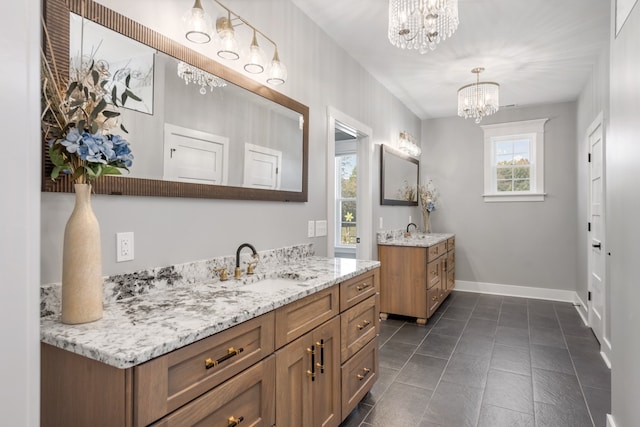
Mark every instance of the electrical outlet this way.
pixel 410 219
pixel 321 228
pixel 381 223
pixel 124 246
pixel 311 229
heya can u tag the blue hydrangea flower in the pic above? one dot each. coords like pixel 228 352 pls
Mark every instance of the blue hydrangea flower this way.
pixel 72 140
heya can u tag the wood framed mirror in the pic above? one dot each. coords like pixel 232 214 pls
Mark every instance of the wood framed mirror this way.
pixel 399 178
pixel 240 91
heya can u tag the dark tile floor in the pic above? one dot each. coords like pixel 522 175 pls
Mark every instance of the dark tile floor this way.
pixel 486 360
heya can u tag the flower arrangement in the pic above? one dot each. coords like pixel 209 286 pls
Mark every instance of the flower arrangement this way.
pixel 79 113
pixel 407 192
pixel 428 196
pixel 428 200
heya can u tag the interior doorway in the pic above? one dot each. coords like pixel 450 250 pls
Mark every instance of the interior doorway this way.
pixel 597 301
pixel 349 158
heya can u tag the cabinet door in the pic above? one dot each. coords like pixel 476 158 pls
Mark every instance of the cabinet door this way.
pixel 451 271
pixel 293 383
pixel 327 408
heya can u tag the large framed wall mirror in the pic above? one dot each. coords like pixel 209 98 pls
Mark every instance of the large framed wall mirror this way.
pixel 229 137
pixel 399 175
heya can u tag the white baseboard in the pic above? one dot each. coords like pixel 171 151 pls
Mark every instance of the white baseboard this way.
pixel 517 291
pixel 610 422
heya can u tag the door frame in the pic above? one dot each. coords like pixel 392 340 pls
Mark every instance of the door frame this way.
pixel 605 345
pixel 364 250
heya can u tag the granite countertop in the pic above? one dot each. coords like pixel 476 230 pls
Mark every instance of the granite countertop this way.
pixel 140 328
pixel 415 239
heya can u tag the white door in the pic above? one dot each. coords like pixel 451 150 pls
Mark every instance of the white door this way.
pixel 596 235
pixel 194 156
pixel 262 167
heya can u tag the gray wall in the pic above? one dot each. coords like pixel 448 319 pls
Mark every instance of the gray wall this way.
pixel 169 231
pixel 623 227
pixel 515 243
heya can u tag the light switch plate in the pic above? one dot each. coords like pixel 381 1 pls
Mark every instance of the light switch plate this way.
pixel 311 229
pixel 381 223
pixel 321 228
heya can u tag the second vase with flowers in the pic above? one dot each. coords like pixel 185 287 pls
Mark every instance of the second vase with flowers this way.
pixel 79 114
pixel 428 199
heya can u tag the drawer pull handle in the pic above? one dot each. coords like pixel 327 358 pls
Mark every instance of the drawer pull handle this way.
pixel 364 325
pixel 233 421
pixel 320 365
pixel 311 374
pixel 363 376
pixel 434 298
pixel 210 363
pixel 362 287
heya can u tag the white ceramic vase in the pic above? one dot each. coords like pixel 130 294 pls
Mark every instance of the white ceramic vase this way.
pixel 82 262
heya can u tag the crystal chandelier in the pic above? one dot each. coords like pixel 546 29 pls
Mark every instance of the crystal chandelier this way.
pixel 478 99
pixel 191 74
pixel 199 28
pixel 421 24
pixel 407 144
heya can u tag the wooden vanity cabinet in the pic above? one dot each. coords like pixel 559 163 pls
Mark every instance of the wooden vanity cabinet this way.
pixel 415 279
pixel 307 363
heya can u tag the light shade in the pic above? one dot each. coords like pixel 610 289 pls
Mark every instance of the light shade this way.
pixel 191 74
pixel 228 44
pixel 479 99
pixel 421 24
pixel 278 72
pixel 255 61
pixel 197 24
pixel 407 145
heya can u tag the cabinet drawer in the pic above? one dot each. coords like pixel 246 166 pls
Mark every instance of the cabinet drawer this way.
pixel 358 375
pixel 436 250
pixel 451 244
pixel 246 398
pixel 433 274
pixel 433 299
pixel 359 288
pixel 299 317
pixel 164 384
pixel 359 325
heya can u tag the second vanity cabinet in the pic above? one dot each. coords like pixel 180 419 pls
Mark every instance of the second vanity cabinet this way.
pixel 307 363
pixel 416 279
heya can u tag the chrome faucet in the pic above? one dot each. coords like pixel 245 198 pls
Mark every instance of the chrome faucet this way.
pixel 408 233
pixel 238 273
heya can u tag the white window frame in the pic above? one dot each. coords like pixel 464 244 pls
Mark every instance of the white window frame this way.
pixel 531 130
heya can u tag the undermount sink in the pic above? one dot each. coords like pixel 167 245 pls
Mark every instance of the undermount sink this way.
pixel 272 285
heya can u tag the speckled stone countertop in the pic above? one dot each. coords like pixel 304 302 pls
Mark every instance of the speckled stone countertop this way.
pixel 138 328
pixel 397 238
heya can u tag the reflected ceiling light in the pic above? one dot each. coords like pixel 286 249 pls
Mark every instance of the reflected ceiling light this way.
pixel 197 31
pixel 421 24
pixel 191 74
pixel 198 24
pixel 479 99
pixel 407 144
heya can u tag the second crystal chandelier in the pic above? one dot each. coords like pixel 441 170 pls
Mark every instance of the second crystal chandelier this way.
pixel 198 25
pixel 421 24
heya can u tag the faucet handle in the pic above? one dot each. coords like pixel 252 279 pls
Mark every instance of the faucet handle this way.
pixel 251 264
pixel 222 273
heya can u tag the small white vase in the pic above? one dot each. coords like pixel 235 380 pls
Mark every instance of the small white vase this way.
pixel 426 225
pixel 82 262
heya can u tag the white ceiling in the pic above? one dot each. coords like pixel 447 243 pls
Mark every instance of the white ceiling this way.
pixel 539 51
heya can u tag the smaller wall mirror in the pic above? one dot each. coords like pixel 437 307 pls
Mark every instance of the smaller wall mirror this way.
pixel 399 176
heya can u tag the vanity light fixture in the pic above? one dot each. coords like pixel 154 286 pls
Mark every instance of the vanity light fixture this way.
pixel 478 99
pixel 196 31
pixel 191 74
pixel 421 24
pixel 407 144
